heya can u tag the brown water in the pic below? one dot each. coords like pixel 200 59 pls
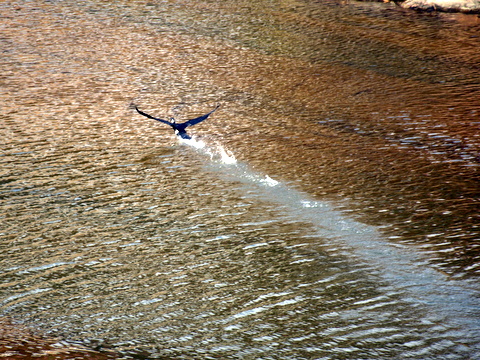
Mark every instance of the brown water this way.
pixel 328 209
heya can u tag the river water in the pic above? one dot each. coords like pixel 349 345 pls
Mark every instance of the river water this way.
pixel 328 209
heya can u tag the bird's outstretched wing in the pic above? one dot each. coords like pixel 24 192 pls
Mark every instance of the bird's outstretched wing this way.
pixel 151 117
pixel 199 119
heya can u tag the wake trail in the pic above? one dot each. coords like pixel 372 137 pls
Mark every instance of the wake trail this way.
pixel 403 268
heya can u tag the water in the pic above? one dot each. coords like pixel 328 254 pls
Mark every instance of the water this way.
pixel 328 209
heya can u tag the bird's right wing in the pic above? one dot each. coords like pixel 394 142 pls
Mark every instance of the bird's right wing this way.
pixel 151 117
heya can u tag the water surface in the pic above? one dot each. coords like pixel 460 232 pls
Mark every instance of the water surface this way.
pixel 328 209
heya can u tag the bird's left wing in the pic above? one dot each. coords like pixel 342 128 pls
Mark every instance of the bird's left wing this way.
pixel 199 119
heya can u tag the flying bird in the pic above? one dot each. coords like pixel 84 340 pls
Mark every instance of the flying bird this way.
pixel 180 129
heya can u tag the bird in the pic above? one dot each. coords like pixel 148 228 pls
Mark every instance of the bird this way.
pixel 179 128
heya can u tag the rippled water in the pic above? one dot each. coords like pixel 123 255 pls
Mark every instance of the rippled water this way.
pixel 328 209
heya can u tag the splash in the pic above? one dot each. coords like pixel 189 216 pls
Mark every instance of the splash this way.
pixel 216 152
pixel 197 144
pixel 219 155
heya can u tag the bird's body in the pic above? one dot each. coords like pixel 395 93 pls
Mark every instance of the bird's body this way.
pixel 180 129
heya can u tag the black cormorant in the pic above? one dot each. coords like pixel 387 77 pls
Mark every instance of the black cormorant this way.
pixel 179 128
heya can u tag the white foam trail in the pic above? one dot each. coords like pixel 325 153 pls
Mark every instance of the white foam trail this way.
pixel 269 181
pixel 257 178
pixel 227 157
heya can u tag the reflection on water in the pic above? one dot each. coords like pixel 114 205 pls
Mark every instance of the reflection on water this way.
pixel 327 210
